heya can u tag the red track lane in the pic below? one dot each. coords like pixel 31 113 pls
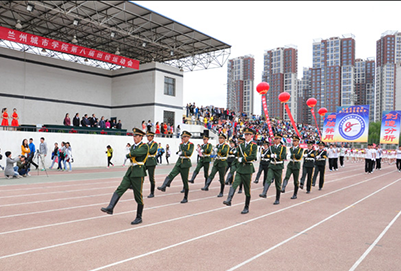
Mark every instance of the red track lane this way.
pixel 136 240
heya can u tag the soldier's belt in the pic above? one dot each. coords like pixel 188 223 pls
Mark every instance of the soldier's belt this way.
pixel 321 159
pixel 206 155
pixel 276 162
pixel 309 158
pixel 154 155
pixel 295 161
pixel 265 159
pixel 221 158
pixel 183 157
pixel 137 164
pixel 231 155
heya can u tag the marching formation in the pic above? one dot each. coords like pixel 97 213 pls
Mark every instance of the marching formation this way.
pixel 236 159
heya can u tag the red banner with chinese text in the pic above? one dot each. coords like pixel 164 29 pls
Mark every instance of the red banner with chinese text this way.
pixel 314 116
pixel 390 127
pixel 328 130
pixel 287 108
pixel 264 105
pixel 64 47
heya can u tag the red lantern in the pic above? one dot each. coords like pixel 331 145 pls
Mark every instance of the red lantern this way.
pixel 311 102
pixel 262 88
pixel 322 111
pixel 284 97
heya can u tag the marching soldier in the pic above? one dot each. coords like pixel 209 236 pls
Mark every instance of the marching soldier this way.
pixel 204 161
pixel 151 162
pixel 264 163
pixel 277 153
pixel 309 163
pixel 231 161
pixel 247 154
pixel 219 165
pixel 234 166
pixel 293 166
pixel 182 165
pixel 320 165
pixel 134 176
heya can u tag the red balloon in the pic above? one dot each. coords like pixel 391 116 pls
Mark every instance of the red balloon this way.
pixel 262 88
pixel 311 102
pixel 322 111
pixel 284 97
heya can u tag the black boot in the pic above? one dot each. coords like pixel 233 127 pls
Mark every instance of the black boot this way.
pixel 193 177
pixel 229 176
pixel 265 188
pixel 208 182
pixel 295 192
pixel 221 191
pixel 301 185
pixel 278 193
pixel 183 190
pixel 285 182
pixel 138 218
pixel 113 202
pixel 185 200
pixel 246 208
pixel 166 182
pixel 240 189
pixel 230 197
pixel 152 191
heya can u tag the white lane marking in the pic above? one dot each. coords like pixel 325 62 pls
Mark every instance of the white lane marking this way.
pixel 236 225
pixel 308 229
pixel 90 205
pixel 183 217
pixel 374 243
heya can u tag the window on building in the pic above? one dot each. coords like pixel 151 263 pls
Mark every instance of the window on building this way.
pixel 168 117
pixel 169 86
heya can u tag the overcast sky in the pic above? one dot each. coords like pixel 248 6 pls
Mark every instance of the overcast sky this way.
pixel 252 27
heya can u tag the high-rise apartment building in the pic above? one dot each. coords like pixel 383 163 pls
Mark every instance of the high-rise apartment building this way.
pixel 388 54
pixel 364 81
pixel 304 93
pixel 332 74
pixel 240 84
pixel 280 71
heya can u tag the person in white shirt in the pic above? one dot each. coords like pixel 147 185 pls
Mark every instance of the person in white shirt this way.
pixel 342 154
pixel 127 151
pixel 369 158
pixel 398 163
pixel 331 155
pixel 379 153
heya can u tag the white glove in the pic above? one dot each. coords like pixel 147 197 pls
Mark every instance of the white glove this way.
pixel 240 159
pixel 305 155
pixel 318 157
pixel 202 151
pixel 274 155
pixel 215 149
pixel 179 153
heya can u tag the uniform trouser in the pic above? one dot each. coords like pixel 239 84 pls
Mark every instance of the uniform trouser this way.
pixel 265 170
pixel 319 169
pixel 205 166
pixel 398 164
pixel 378 163
pixel 341 160
pixel 335 163
pixel 222 173
pixel 151 174
pixel 137 185
pixel 295 173
pixel 275 174
pixel 184 175
pixel 245 180
pixel 302 181
pixel 368 165
pixel 308 174
pixel 331 163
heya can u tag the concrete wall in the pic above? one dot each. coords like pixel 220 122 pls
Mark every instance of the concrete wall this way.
pixel 88 150
pixel 44 89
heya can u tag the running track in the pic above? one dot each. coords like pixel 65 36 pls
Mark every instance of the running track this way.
pixel 351 224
